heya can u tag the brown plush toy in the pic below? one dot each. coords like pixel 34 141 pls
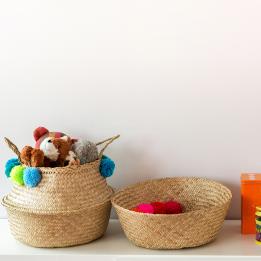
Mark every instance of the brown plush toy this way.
pixel 42 133
pixel 32 157
pixel 53 152
pixel 57 151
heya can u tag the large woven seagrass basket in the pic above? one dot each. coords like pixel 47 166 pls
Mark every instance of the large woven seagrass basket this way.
pixel 206 204
pixel 70 206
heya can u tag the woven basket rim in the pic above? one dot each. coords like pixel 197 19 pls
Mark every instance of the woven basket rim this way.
pixel 165 215
pixel 115 205
pixel 73 167
pixel 7 204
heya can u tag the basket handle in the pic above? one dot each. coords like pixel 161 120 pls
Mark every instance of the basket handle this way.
pixel 13 147
pixel 107 143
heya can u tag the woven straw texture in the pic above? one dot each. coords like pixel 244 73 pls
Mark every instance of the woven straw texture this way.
pixel 206 204
pixel 63 189
pixel 70 206
pixel 59 230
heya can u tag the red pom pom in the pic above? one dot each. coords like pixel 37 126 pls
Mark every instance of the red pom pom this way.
pixel 159 207
pixel 173 207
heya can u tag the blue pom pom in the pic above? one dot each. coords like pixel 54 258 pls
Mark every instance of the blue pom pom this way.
pixel 10 164
pixel 32 177
pixel 107 167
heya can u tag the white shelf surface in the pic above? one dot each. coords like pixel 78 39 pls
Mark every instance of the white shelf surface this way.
pixel 114 246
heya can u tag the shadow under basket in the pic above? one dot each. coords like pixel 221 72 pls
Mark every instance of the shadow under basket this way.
pixel 205 205
pixel 60 229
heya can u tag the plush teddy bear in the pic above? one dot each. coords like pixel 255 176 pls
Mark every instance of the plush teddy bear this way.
pixel 53 152
pixel 82 149
pixel 32 157
pixel 72 159
pixel 41 133
pixel 57 152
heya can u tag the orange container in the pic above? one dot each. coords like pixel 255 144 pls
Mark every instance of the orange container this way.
pixel 250 199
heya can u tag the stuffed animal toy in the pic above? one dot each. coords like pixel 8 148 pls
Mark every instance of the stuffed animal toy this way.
pixel 53 152
pixel 86 151
pixel 41 133
pixel 72 159
pixel 32 157
pixel 57 151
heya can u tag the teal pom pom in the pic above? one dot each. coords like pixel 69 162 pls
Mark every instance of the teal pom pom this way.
pixel 32 177
pixel 107 167
pixel 10 164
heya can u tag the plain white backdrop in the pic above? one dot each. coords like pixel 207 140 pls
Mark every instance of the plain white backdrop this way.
pixel 178 79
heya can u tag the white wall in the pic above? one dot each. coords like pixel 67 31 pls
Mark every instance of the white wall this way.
pixel 180 80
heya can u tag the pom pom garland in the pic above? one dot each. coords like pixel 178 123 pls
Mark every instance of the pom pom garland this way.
pixel 32 177
pixel 21 175
pixel 10 164
pixel 107 167
pixel 169 207
pixel 17 175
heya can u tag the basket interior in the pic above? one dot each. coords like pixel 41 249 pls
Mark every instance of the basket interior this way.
pixel 192 193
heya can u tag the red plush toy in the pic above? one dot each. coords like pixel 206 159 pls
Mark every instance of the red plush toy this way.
pixel 168 207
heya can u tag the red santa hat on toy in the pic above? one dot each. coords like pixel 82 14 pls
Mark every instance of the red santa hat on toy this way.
pixel 41 133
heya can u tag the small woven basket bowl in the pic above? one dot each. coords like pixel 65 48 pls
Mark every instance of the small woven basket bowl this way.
pixel 61 229
pixel 205 204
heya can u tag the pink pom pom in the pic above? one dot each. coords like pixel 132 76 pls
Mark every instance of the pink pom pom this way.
pixel 173 207
pixel 146 208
